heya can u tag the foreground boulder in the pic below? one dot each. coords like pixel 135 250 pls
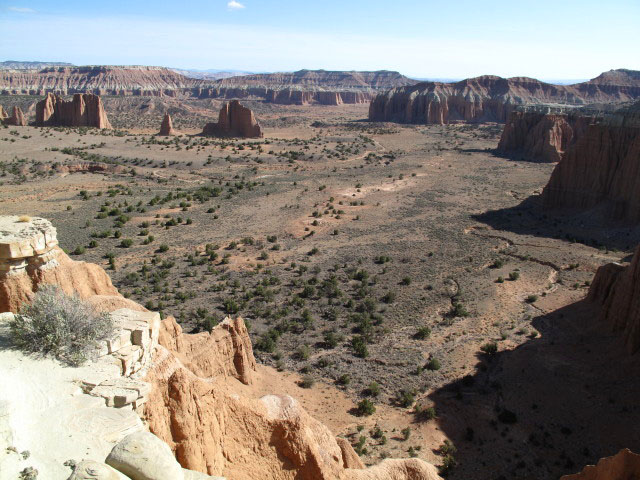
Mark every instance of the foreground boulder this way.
pixel 601 170
pixel 541 137
pixel 85 110
pixel 235 120
pixel 625 465
pixel 166 128
pixel 616 289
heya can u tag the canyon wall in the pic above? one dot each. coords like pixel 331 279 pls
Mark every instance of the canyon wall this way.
pixel 235 120
pixel 491 99
pixel 616 290
pixel 541 137
pixel 601 170
pixel 85 110
pixel 624 465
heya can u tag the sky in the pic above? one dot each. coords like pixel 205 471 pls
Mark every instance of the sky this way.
pixel 549 40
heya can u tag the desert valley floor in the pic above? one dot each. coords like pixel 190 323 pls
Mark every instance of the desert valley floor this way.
pixel 405 264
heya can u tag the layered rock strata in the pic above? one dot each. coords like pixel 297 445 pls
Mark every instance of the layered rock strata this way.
pixel 30 256
pixel 491 99
pixel 616 289
pixel 541 137
pixel 600 170
pixel 166 128
pixel 85 110
pixel 234 120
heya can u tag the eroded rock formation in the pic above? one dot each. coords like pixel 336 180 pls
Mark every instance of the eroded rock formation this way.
pixel 541 137
pixel 491 99
pixel 166 128
pixel 235 120
pixel 16 119
pixel 3 114
pixel 616 289
pixel 85 110
pixel 30 256
pixel 601 170
pixel 238 436
pixel 625 465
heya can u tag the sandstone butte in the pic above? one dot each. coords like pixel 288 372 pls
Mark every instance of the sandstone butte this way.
pixel 166 128
pixel 542 137
pixel 17 118
pixel 491 99
pixel 195 387
pixel 234 120
pixel 85 110
pixel 601 170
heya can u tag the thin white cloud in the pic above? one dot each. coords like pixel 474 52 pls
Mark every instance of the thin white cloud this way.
pixel 21 10
pixel 233 5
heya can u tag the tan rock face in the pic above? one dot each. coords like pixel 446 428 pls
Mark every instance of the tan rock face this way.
pixel 17 118
pixel 600 170
pixel 239 437
pixel 3 114
pixel 226 351
pixel 30 256
pixel 541 137
pixel 616 289
pixel 85 110
pixel 235 120
pixel 166 128
pixel 623 465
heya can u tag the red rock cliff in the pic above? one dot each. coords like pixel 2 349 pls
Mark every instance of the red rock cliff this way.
pixel 616 289
pixel 541 137
pixel 602 169
pixel 85 110
pixel 166 128
pixel 625 465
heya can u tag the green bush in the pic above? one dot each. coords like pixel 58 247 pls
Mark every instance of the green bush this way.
pixel 490 348
pixel 60 325
pixel 423 333
pixel 433 364
pixel 366 407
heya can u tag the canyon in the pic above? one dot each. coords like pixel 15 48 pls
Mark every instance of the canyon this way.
pixel 491 98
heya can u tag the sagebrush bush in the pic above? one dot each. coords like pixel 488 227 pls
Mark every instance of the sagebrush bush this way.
pixel 60 325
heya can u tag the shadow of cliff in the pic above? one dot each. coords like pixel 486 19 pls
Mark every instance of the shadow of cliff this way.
pixel 548 407
pixel 590 228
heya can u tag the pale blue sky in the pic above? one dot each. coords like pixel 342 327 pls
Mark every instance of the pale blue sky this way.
pixel 447 38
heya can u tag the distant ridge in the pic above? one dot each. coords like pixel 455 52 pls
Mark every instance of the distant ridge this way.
pixel 19 65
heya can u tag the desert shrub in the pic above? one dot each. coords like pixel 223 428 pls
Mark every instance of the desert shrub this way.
pixel 406 433
pixel 373 390
pixel 307 382
pixel 458 310
pixel 406 398
pixel 60 325
pixel 448 464
pixel 513 276
pixel 343 379
pixel 490 348
pixel 423 333
pixel 531 298
pixel 422 413
pixel 433 364
pixel 366 407
pixel 359 347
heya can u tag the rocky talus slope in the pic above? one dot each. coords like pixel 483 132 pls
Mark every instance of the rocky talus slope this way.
pixel 541 137
pixel 625 465
pixel 491 99
pixel 194 391
pixel 235 120
pixel 616 289
pixel 85 110
pixel 601 170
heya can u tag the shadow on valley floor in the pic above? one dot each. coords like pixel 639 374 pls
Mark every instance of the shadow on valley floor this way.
pixel 589 228
pixel 560 401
